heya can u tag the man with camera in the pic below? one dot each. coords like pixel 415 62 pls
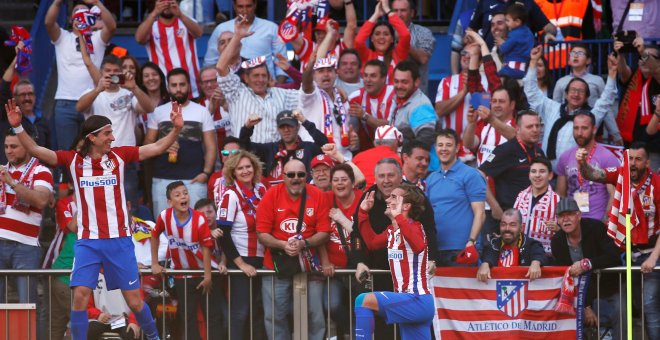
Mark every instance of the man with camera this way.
pixel 117 97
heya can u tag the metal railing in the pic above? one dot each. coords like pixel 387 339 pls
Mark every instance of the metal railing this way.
pixel 163 312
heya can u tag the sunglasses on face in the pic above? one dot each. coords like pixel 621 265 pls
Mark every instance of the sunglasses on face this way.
pixel 229 152
pixel 646 56
pixel 294 174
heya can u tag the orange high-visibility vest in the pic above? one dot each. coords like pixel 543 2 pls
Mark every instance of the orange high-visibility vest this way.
pixel 567 15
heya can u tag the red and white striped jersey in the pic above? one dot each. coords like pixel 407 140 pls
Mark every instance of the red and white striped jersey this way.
pixel 185 238
pixel 24 226
pixel 234 210
pixel 449 87
pixel 489 139
pixel 172 46
pixel 308 47
pixel 535 216
pixel 379 106
pixel 408 269
pixel 100 194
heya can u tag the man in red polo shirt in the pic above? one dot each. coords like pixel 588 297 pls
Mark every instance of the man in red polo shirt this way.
pixel 277 219
pixel 387 140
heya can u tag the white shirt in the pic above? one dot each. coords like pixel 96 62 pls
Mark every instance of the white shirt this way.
pixel 72 75
pixel 121 108
pixel 312 106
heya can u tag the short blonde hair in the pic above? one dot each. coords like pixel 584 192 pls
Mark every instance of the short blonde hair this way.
pixel 232 163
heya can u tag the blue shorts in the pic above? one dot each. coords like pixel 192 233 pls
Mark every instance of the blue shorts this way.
pixel 115 255
pixel 413 313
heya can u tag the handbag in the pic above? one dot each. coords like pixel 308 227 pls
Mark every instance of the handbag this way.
pixel 286 266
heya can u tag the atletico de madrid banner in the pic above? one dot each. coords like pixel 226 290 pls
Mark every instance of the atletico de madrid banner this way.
pixel 508 306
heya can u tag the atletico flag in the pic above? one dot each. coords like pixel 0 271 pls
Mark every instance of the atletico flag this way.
pixel 508 306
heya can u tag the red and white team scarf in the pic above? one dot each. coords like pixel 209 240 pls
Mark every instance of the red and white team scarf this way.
pixel 26 180
pixel 645 109
pixel 301 12
pixel 641 225
pixel 84 20
pixel 534 218
pixel 338 113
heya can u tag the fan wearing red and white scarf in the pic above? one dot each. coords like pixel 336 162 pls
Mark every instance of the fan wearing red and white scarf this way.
pixel 535 217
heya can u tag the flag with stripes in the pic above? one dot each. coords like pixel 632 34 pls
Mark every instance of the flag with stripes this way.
pixel 508 306
pixel 616 226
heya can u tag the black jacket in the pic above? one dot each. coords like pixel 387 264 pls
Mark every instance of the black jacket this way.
pixel 531 250
pixel 597 247
pixel 267 151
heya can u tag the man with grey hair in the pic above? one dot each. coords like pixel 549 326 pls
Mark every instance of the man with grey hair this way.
pixel 512 248
pixel 388 177
pixel 26 100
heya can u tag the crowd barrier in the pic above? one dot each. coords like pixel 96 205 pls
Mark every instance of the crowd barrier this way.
pixel 164 312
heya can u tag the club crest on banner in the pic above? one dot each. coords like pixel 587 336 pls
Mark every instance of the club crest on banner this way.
pixel 512 296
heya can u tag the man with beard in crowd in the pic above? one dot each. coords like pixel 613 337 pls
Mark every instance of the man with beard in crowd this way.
pixel 192 157
pixel 593 198
pixel 164 32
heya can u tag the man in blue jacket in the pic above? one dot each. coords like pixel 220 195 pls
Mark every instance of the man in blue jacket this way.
pixel 511 249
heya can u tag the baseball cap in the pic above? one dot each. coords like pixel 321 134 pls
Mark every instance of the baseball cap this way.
pixel 388 132
pixel 469 255
pixel 322 159
pixel 286 118
pixel 322 24
pixel 566 205
pixel 325 62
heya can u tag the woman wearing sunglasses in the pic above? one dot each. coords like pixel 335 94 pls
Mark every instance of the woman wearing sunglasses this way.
pixel 237 214
pixel 216 185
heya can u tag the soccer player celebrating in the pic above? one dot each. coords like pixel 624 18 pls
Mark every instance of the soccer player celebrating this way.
pixel 103 232
pixel 411 303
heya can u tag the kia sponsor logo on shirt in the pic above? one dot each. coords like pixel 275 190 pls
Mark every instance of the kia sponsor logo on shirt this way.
pixel 289 226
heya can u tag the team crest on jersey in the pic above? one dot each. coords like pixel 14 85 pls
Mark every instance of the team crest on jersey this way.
pixel 289 226
pixel 180 32
pixel 108 165
pixel 512 296
pixel 310 212
pixel 300 153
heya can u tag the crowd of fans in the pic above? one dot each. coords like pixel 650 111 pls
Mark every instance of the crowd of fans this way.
pixel 506 167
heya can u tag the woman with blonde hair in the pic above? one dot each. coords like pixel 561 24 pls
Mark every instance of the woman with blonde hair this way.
pixel 237 217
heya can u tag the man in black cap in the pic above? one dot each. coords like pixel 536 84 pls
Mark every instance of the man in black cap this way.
pixel 275 155
pixel 583 244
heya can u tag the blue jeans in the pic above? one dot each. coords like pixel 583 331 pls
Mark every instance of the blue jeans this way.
pixel 336 302
pixel 278 293
pixel 239 287
pixel 196 191
pixel 650 298
pixel 16 255
pixel 67 123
